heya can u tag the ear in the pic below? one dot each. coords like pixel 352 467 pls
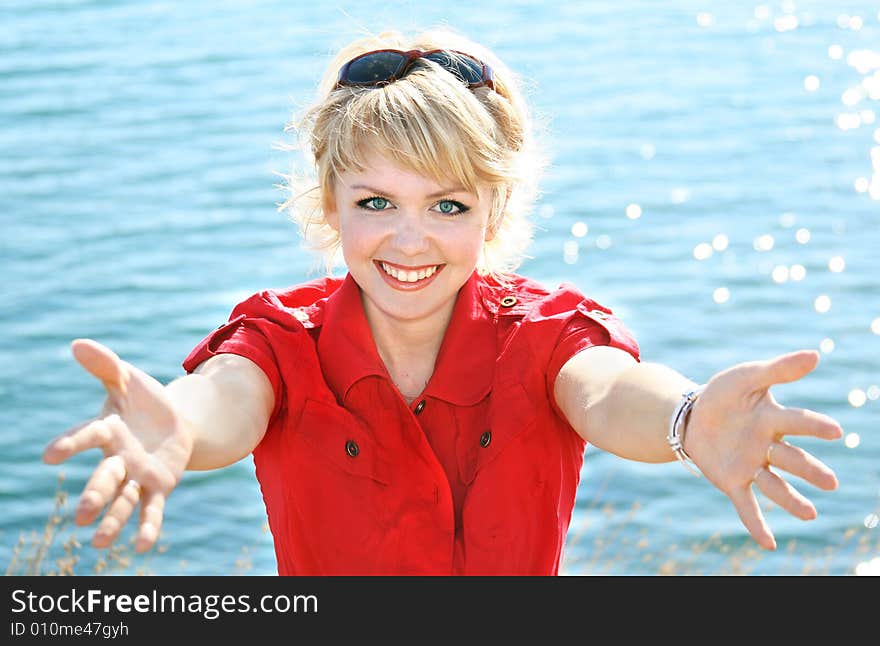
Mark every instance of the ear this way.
pixel 332 218
pixel 495 223
pixel 331 213
pixel 491 230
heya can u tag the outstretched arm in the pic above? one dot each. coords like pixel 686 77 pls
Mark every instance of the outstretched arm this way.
pixel 735 433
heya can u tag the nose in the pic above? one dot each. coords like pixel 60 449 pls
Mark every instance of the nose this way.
pixel 411 236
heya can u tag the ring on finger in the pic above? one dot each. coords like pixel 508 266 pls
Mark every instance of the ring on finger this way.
pixel 135 484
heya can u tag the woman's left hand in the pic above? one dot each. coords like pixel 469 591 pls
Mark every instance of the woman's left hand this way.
pixel 736 432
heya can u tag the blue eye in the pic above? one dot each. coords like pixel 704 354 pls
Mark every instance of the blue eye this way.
pixel 374 203
pixel 450 207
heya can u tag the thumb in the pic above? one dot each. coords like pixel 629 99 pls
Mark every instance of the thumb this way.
pixel 786 368
pixel 101 362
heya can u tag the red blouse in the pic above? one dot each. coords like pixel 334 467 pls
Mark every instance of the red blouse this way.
pixel 476 476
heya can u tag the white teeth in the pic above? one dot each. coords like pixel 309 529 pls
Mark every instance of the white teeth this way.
pixel 411 275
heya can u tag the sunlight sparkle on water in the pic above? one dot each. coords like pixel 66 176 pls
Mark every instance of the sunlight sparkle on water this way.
pixel 811 83
pixel 845 21
pixel 721 295
pixel 762 12
pixel 720 242
pixel 835 52
pixel 864 60
pixel 802 235
pixel 786 23
pixel 873 392
pixel 837 264
pixel 603 241
pixel 702 251
pixel 579 229
pixel 857 397
pixel 633 211
pixel 852 96
pixel 764 242
pixel 861 185
pixel 780 274
pixel 570 252
pixel 822 303
pixel 872 520
pixel 787 220
pixel 848 120
pixel 826 345
pixel 852 440
pixel 797 272
pixel 875 326
pixel 705 19
pixel 679 195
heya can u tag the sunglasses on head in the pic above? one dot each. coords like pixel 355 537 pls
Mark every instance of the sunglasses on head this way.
pixel 385 66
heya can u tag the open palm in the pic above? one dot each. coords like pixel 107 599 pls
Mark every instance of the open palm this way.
pixel 145 444
pixel 736 436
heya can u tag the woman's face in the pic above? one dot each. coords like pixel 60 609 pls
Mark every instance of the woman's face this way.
pixel 409 242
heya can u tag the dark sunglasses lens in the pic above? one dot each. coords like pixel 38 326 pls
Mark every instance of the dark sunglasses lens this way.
pixel 467 69
pixel 374 68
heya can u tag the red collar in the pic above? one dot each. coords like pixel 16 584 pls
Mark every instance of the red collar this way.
pixel 465 364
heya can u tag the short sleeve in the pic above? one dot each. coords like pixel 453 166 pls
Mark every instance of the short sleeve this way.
pixel 591 324
pixel 252 334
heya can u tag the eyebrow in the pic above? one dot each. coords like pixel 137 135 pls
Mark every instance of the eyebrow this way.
pixel 440 193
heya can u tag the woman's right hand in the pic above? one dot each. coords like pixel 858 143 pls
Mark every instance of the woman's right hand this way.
pixel 146 448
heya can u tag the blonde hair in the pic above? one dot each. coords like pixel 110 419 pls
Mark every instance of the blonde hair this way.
pixel 428 122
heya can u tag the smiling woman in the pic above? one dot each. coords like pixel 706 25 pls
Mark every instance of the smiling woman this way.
pixel 428 412
pixel 486 140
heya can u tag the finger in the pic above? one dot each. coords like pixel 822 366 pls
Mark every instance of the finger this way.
pixel 152 508
pixel 101 362
pixel 746 506
pixel 802 421
pixel 803 465
pixel 784 495
pixel 786 368
pixel 92 434
pixel 100 489
pixel 119 513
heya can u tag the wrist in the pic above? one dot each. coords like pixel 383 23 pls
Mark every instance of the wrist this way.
pixel 678 424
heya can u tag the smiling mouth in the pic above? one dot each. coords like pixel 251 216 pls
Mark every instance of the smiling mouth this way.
pixel 409 275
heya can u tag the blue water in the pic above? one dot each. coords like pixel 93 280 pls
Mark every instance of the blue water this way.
pixel 137 201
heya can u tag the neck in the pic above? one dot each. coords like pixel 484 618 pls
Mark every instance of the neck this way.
pixel 408 349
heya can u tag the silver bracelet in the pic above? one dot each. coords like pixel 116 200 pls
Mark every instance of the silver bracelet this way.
pixel 677 425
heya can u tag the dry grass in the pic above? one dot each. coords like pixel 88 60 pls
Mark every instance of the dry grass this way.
pixel 56 551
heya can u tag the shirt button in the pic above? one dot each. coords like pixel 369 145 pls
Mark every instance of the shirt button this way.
pixel 352 449
pixel 419 407
pixel 486 439
pixel 508 301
